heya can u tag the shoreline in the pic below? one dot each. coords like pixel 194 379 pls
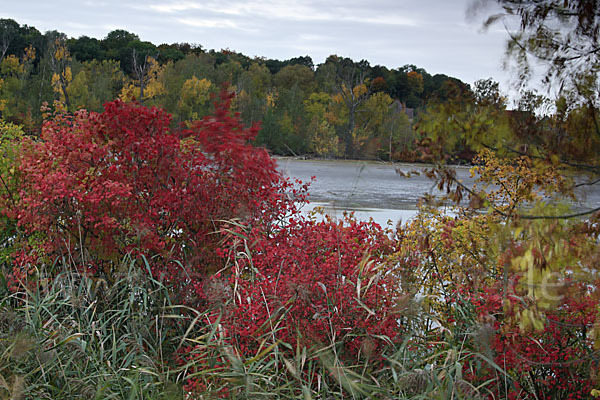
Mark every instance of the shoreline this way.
pixel 375 162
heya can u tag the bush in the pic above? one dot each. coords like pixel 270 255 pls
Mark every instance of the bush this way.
pixel 319 286
pixel 98 186
pixel 323 282
pixel 556 360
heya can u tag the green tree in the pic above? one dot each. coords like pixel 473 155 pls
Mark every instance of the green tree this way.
pixel 487 93
pixel 465 123
pixel 228 71
pixel 295 75
pixel 95 83
pixel 116 45
pixel 253 86
pixel 9 30
pixel 169 53
pixel 86 48
pixel 175 74
pixel 352 92
pixel 370 136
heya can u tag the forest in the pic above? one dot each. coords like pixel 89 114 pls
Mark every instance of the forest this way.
pixel 338 109
pixel 154 253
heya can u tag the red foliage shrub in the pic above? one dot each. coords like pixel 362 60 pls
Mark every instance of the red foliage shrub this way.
pixel 308 284
pixel 100 185
pixel 316 282
pixel 557 362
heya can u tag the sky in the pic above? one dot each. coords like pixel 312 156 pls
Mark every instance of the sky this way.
pixel 436 35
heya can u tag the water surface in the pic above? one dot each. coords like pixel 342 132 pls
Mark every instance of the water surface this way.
pixel 375 190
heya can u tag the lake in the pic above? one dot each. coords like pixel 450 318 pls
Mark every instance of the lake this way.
pixel 375 190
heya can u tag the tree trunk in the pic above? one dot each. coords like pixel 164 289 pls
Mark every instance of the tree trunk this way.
pixel 350 129
pixel 63 86
pixel 141 99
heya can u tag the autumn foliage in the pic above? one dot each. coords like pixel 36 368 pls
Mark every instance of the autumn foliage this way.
pixel 484 304
pixel 309 285
pixel 97 186
pixel 554 361
pixel 323 282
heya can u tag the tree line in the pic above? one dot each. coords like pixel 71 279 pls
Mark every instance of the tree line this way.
pixel 339 108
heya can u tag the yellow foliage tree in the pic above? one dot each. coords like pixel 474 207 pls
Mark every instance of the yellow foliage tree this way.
pixel 61 82
pixel 323 139
pixel 193 98
pixel 272 99
pixel 10 65
pixel 60 62
pixel 93 84
pixel 148 87
pixel 13 78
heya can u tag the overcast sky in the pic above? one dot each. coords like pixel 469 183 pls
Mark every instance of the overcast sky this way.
pixel 432 34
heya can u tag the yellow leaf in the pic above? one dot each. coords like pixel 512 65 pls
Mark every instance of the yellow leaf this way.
pixel 518 232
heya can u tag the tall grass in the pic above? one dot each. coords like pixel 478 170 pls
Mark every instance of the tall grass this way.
pixel 72 336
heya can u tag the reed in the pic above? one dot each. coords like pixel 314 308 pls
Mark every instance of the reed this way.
pixel 69 335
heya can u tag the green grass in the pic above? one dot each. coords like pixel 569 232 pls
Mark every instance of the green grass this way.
pixel 73 336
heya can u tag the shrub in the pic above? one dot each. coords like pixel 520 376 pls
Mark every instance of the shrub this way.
pixel 319 286
pixel 554 360
pixel 327 280
pixel 101 185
